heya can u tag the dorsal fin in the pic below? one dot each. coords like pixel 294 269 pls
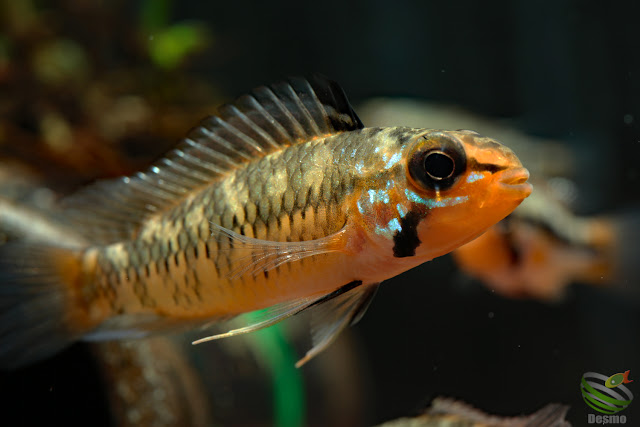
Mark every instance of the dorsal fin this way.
pixel 257 124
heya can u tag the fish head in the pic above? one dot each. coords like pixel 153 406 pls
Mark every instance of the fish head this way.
pixel 462 183
pixel 447 188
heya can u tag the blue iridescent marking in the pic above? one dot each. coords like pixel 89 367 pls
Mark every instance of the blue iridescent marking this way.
pixel 415 198
pixel 432 203
pixel 474 176
pixel 360 207
pixel 401 209
pixel 393 227
pixel 360 166
pixel 393 160
pixel 378 196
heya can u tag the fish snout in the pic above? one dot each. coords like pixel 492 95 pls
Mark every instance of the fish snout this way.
pixel 515 181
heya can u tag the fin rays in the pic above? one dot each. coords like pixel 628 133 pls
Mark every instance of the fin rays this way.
pixel 264 255
pixel 267 317
pixel 259 123
pixel 332 317
pixel 330 314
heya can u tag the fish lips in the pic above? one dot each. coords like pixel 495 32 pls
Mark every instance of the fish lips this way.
pixel 514 182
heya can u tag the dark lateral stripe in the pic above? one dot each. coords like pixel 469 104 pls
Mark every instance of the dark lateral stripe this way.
pixel 486 166
pixel 406 240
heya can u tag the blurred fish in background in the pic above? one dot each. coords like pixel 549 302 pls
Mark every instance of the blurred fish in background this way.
pixel 445 412
pixel 543 247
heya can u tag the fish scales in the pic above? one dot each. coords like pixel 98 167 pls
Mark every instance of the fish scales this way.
pixel 307 170
pixel 282 203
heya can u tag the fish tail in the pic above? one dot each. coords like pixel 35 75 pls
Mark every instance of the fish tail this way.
pixel 616 239
pixel 625 250
pixel 42 302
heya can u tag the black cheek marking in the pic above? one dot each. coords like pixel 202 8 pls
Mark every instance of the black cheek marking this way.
pixel 406 240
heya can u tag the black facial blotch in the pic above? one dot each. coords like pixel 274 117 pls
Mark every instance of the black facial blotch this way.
pixel 406 240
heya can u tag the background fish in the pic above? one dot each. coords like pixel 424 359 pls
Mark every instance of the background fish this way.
pixel 445 412
pixel 543 247
pixel 282 202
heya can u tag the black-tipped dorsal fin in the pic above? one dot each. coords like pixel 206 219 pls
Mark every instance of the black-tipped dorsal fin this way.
pixel 264 121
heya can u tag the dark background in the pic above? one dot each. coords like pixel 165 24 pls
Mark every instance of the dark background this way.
pixel 563 69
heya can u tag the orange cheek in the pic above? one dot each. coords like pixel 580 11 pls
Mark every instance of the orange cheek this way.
pixel 446 228
pixel 443 236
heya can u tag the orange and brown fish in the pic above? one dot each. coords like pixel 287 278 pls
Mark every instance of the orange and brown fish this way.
pixel 281 203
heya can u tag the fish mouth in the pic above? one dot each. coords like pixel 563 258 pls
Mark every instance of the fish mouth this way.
pixel 515 182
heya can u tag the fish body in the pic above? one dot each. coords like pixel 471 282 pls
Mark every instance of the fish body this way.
pixel 283 202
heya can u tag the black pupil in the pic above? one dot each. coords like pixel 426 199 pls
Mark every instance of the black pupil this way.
pixel 438 165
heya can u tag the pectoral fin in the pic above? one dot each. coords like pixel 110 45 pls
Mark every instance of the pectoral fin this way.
pixel 255 256
pixel 329 318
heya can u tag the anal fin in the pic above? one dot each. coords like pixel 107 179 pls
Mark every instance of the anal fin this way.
pixel 330 318
pixel 261 319
pixel 330 314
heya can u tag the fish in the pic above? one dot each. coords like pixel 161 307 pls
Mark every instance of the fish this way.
pixel 543 247
pixel 152 382
pixel 283 202
pixel 446 412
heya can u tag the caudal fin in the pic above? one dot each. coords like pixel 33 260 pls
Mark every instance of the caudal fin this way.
pixel 624 253
pixel 41 309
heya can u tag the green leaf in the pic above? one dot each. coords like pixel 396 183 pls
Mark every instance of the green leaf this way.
pixel 171 46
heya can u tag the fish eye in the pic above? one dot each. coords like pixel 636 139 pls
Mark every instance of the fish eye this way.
pixel 436 161
pixel 439 165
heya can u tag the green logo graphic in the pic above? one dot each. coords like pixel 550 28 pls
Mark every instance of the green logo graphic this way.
pixel 606 394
